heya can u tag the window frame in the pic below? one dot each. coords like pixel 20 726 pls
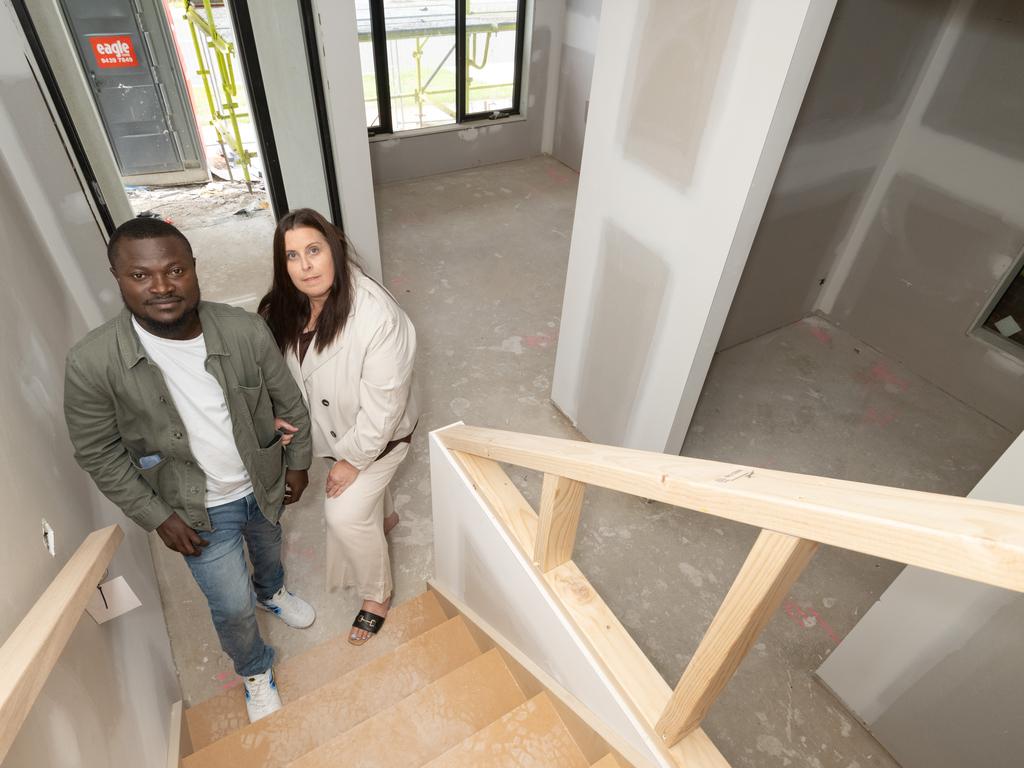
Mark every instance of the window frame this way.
pixel 378 37
pixel 980 331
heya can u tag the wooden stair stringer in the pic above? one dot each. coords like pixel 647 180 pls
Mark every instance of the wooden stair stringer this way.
pixel 483 536
pixel 588 730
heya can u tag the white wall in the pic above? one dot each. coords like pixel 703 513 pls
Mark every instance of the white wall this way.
pixel 108 700
pixel 482 143
pixel 277 28
pixel 934 668
pixel 477 562
pixel 691 108
pixel 67 70
pixel 343 83
pixel 852 113
pixel 575 73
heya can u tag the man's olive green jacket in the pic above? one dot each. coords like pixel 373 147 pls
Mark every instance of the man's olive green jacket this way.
pixel 118 410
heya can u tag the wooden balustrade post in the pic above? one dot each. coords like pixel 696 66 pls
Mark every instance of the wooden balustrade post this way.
pixel 561 501
pixel 774 563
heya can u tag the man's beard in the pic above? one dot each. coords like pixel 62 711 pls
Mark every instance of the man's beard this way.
pixel 161 328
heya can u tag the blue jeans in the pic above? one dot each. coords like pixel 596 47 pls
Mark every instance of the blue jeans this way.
pixel 224 578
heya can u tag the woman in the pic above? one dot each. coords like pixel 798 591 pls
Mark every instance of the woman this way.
pixel 350 347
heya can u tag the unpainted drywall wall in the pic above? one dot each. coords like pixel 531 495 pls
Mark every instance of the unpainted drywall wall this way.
pixel 107 702
pixel 51 27
pixel 481 143
pixel 481 567
pixel 946 225
pixel 850 117
pixel 934 667
pixel 691 108
pixel 277 29
pixel 343 83
pixel 576 71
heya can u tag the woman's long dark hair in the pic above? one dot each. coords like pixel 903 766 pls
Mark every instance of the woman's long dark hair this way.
pixel 285 308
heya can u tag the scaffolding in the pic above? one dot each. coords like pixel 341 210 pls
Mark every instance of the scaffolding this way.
pixel 219 84
pixel 421 30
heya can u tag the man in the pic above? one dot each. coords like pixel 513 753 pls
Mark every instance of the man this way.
pixel 171 408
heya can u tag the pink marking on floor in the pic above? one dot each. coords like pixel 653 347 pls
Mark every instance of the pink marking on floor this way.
pixel 233 684
pixel 881 373
pixel 800 617
pixel 557 177
pixel 833 635
pixel 539 340
pixel 820 334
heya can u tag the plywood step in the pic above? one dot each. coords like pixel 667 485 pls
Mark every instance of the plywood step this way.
pixel 608 761
pixel 532 734
pixel 424 725
pixel 318 717
pixel 215 718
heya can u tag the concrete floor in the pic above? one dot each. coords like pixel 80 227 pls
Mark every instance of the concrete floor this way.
pixel 478 260
pixel 231 230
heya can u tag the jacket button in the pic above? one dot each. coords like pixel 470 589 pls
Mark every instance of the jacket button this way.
pixel 333 433
pixel 188 463
pixel 163 399
pixel 324 402
pixel 176 434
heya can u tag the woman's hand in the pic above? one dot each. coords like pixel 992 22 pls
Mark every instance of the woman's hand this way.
pixel 287 430
pixel 341 476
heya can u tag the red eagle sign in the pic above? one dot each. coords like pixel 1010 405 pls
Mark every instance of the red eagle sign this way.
pixel 116 51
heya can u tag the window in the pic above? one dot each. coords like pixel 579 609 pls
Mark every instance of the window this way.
pixel 1007 316
pixel 429 63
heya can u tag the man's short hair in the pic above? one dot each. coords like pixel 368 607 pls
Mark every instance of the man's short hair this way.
pixel 143 228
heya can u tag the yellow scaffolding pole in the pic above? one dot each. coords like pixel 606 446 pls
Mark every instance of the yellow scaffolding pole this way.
pixel 224 118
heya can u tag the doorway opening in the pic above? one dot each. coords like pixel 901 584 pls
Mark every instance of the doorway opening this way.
pixel 166 108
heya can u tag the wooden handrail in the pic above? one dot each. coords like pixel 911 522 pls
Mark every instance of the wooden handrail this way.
pixel 978 540
pixel 29 654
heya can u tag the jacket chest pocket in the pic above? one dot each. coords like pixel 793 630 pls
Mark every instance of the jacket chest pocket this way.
pixel 261 410
pixel 253 397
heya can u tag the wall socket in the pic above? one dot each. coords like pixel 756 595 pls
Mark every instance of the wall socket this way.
pixel 48 541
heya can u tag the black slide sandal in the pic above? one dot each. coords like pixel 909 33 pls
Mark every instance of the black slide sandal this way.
pixel 368 622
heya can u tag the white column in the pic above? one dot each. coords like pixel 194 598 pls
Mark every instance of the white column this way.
pixel 692 105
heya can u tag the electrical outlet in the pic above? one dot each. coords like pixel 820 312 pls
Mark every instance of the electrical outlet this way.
pixel 48 541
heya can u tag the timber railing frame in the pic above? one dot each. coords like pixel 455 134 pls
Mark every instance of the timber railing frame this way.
pixel 28 656
pixel 978 540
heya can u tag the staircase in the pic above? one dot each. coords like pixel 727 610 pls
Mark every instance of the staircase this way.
pixel 513 658
pixel 432 689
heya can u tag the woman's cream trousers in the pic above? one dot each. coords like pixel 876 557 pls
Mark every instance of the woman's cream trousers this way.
pixel 357 552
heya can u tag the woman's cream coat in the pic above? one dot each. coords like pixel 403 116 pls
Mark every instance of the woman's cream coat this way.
pixel 359 389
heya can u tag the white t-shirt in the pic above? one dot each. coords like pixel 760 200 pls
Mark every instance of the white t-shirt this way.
pixel 201 405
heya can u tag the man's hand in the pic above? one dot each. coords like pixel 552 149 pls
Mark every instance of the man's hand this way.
pixel 295 482
pixel 178 536
pixel 341 476
pixel 287 430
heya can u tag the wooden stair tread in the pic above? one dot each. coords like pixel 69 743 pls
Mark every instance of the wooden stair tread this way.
pixel 215 718
pixel 531 735
pixel 305 723
pixel 425 724
pixel 608 761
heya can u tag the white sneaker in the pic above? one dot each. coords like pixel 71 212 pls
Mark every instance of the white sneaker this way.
pixel 292 610
pixel 261 696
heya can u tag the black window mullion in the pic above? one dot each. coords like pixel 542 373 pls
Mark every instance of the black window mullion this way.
pixel 517 82
pixel 461 69
pixel 378 32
